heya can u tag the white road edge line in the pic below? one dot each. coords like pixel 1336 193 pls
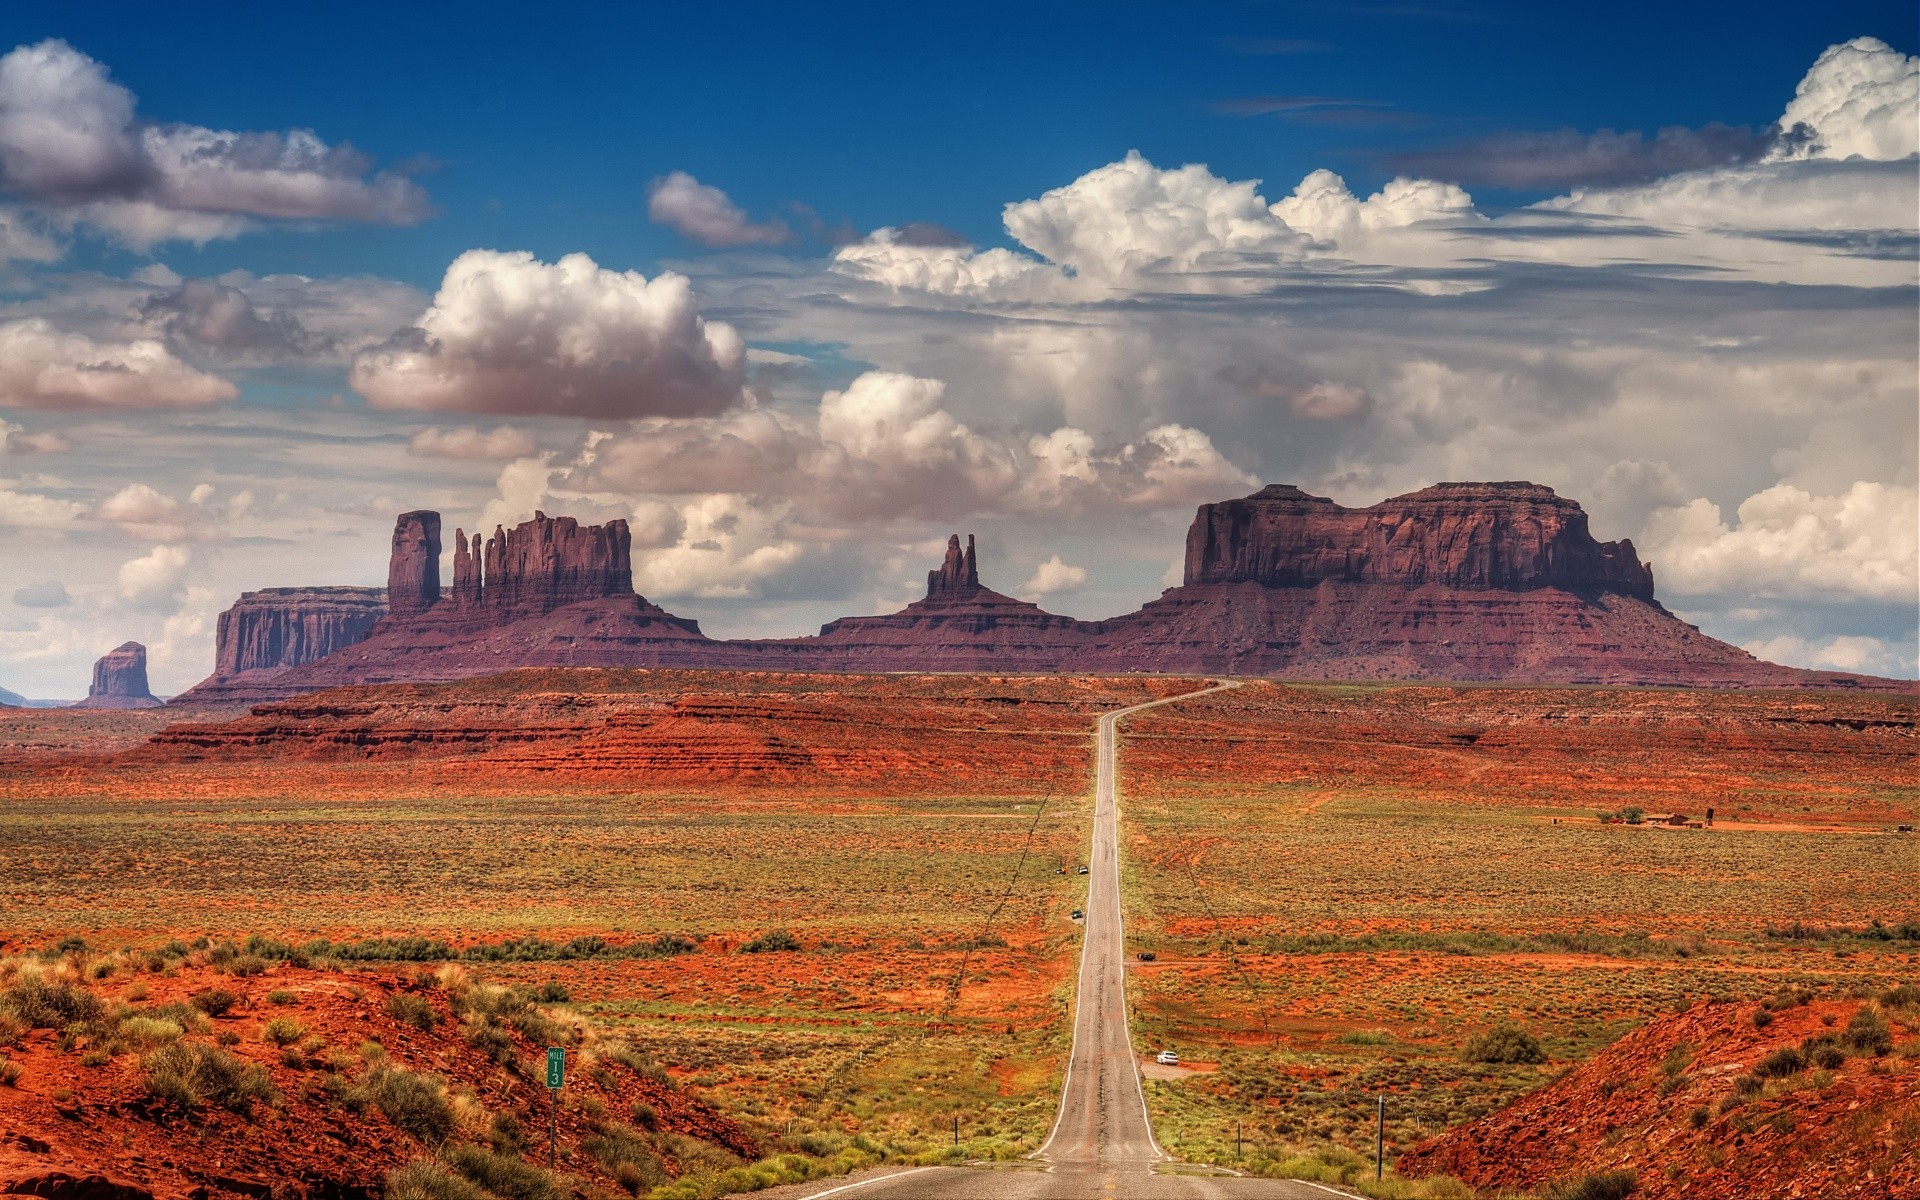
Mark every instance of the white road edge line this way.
pixel 1066 1084
pixel 1323 1187
pixel 847 1187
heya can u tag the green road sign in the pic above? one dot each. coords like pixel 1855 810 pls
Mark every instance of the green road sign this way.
pixel 556 1067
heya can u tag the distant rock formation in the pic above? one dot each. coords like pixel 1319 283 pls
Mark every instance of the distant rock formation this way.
pixel 1487 582
pixel 1473 536
pixel 959 575
pixel 534 568
pixel 413 569
pixel 120 680
pixel 275 628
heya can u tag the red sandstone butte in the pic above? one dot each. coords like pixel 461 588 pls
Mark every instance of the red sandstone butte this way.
pixel 1469 582
pixel 120 680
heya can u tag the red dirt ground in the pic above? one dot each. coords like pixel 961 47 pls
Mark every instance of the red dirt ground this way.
pixel 62 1116
pixel 1850 1132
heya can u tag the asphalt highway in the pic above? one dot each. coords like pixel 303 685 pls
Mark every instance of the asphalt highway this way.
pixel 1101 1146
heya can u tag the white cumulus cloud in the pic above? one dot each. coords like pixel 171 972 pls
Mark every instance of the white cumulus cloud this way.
pixel 155 579
pixel 703 213
pixel 507 333
pixel 1860 99
pixel 1053 576
pixel 41 367
pixel 72 140
pixel 1863 544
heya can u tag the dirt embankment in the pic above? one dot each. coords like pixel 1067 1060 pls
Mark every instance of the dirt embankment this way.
pixel 1725 1101
pixel 191 1082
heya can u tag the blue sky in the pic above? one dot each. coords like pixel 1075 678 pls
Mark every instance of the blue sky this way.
pixel 799 293
pixel 545 130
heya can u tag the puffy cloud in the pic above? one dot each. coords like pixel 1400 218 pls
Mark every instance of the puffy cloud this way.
pixel 507 333
pixel 728 546
pixel 1860 99
pixel 49 594
pixel 1323 208
pixel 1864 544
pixel 887 446
pixel 144 512
pixel 1860 655
pixel 223 319
pixel 1131 219
pixel 30 510
pixel 885 257
pixel 503 441
pixel 1053 576
pixel 70 138
pixel 41 367
pixel 703 213
pixel 156 579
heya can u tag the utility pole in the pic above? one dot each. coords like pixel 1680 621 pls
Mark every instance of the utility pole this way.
pixel 1238 1140
pixel 1380 1140
pixel 956 1129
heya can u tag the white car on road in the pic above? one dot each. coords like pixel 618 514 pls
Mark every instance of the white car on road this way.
pixel 1167 1058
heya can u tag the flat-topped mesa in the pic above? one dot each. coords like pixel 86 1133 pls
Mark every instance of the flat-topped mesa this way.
pixel 1512 537
pixel 413 570
pixel 276 628
pixel 958 576
pixel 120 680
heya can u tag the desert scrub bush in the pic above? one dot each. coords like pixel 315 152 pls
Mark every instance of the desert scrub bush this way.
pixel 282 1031
pixel 490 1038
pixel 215 1002
pixel 1867 1034
pixel 415 1103
pixel 1607 1185
pixel 502 1174
pixel 1824 1052
pixel 411 1010
pixel 770 942
pixel 428 1180
pixel 551 992
pixel 1781 1063
pixel 143 1032
pixel 9 1072
pixel 628 1156
pixel 1762 1017
pixel 280 996
pixel 1504 1044
pixel 41 1003
pixel 193 1073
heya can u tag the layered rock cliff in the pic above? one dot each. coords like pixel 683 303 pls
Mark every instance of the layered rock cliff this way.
pixel 1511 537
pixel 1459 581
pixel 120 680
pixel 267 631
pixel 536 567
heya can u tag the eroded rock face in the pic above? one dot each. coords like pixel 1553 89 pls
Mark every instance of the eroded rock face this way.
pixel 270 630
pixel 959 575
pixel 120 679
pixel 1511 537
pixel 413 569
pixel 541 565
pixel 1474 582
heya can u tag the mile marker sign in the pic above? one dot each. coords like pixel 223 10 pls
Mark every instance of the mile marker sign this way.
pixel 556 1067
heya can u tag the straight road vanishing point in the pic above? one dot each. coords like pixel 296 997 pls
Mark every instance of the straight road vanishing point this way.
pixel 1102 1145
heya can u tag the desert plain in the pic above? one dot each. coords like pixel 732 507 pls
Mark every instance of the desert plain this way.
pixel 791 925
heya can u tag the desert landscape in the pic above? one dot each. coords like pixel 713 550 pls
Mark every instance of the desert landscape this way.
pixel 803 923
pixel 1213 601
